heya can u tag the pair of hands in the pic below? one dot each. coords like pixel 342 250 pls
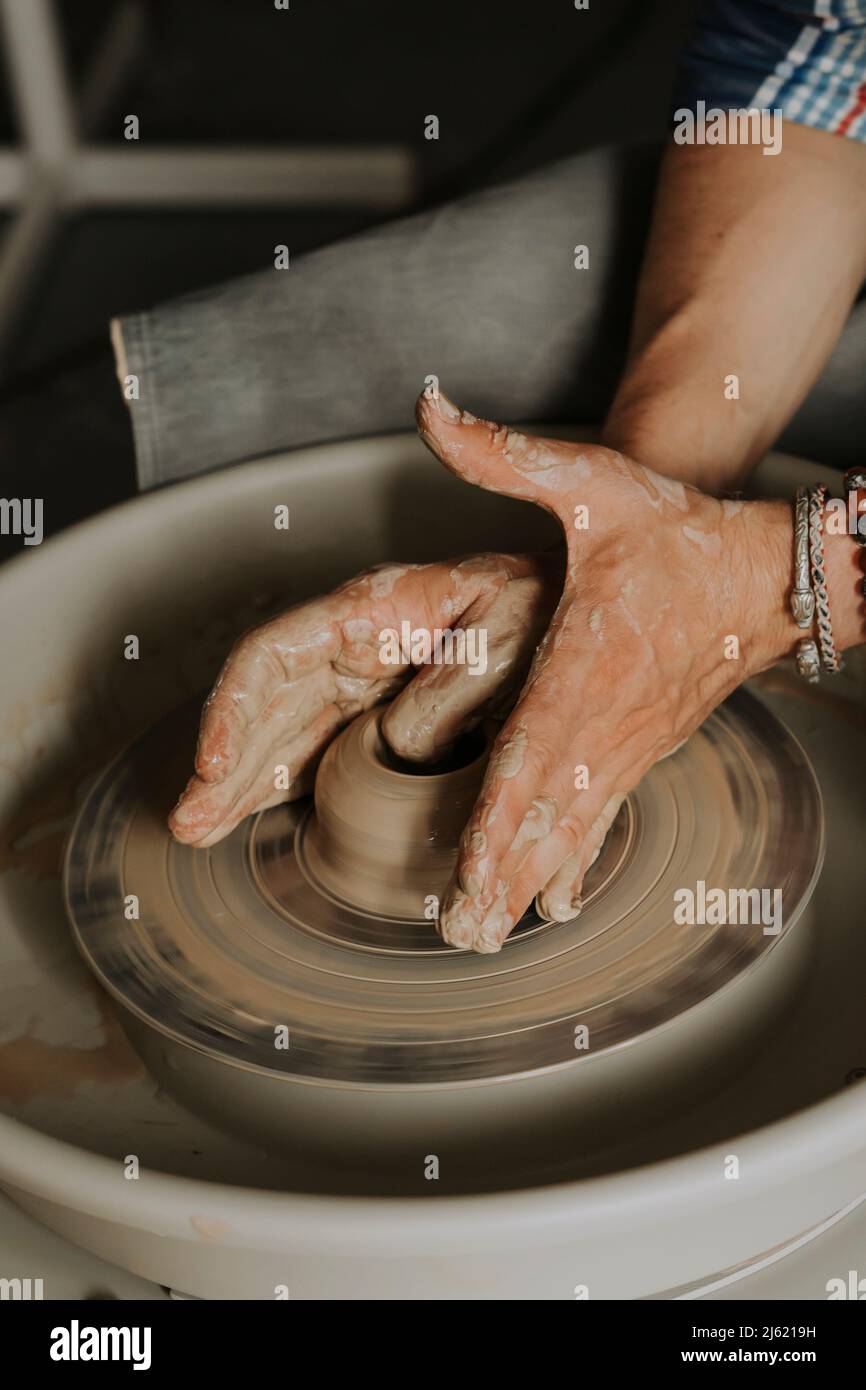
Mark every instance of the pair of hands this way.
pixel 619 649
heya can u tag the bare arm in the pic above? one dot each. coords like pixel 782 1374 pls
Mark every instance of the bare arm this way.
pixel 752 266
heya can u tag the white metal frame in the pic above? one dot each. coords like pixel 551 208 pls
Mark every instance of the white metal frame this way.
pixel 54 170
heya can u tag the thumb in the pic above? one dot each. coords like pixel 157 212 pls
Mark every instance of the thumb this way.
pixel 545 471
pixel 502 633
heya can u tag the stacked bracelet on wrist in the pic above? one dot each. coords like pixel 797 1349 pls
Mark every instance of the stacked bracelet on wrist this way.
pixel 810 601
pixel 855 482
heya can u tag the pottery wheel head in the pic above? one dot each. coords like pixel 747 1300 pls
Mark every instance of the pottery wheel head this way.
pixel 277 949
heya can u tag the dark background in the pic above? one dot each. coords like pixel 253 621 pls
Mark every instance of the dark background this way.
pixel 514 85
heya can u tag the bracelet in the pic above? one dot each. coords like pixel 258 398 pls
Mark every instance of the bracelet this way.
pixel 808 660
pixel 802 599
pixel 829 655
pixel 855 482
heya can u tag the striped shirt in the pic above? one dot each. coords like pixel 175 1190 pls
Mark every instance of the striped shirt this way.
pixel 805 58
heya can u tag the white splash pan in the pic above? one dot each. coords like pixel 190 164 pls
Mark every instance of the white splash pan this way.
pixel 185 569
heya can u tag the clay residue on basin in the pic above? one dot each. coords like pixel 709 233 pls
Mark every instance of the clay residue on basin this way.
pixel 33 838
pixel 209 1227
pixel 31 1068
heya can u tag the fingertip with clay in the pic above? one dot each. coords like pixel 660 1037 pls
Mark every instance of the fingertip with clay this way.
pixel 560 898
pixel 198 814
pixel 495 927
pixel 441 423
pixel 467 923
pixel 433 399
pixel 408 733
pixel 427 719
pixel 456 925
pixel 218 747
pixel 558 902
pixel 185 821
pixel 435 410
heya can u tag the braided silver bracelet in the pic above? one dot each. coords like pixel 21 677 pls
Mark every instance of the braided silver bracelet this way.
pixel 830 658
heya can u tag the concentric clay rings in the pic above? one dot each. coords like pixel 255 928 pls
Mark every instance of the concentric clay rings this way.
pixel 256 933
pixel 384 836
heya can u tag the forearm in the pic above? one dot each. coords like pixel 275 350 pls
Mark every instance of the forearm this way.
pixel 751 268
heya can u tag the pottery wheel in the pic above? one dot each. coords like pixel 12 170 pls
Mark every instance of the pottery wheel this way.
pixel 237 942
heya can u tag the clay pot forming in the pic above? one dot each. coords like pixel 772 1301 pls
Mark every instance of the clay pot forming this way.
pixel 386 834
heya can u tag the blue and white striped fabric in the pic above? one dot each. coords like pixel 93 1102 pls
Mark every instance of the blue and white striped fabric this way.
pixel 806 58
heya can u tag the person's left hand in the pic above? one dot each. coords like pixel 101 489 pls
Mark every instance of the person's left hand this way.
pixel 660 617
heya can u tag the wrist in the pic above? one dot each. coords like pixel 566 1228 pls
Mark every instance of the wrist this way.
pixel 766 549
pixel 766 544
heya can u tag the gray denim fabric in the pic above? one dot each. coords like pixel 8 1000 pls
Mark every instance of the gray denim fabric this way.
pixel 482 292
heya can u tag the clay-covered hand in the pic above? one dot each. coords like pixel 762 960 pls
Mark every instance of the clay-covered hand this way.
pixel 655 626
pixel 291 684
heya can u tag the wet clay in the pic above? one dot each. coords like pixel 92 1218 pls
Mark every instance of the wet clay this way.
pixel 248 941
pixel 385 837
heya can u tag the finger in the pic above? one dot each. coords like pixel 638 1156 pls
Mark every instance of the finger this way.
pixel 208 811
pixel 284 651
pixel 527 821
pixel 492 456
pixel 524 789
pixel 554 836
pixel 483 920
pixel 560 898
pixel 443 701
pixel 291 732
pixel 436 706
pixel 290 709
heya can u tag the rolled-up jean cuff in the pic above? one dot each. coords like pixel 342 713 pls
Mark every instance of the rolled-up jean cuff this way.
pixel 130 340
pixel 341 345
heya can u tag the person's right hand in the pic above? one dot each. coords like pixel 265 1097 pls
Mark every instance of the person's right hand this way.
pixel 291 684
